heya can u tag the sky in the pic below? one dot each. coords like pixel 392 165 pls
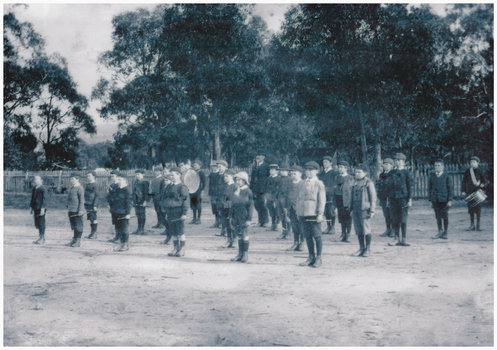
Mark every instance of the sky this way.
pixel 81 32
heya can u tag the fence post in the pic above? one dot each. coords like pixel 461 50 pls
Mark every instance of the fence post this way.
pixel 59 187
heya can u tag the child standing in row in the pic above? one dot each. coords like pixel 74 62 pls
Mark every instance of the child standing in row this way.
pixel 38 207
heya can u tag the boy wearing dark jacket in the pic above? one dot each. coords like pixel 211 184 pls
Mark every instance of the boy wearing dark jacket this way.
pixel 75 208
pixel 91 197
pixel 242 208
pixel 38 207
pixel 440 195
pixel 121 210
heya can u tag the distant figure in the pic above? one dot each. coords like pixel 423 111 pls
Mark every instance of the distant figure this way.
pixel 75 208
pixel 440 195
pixel 382 190
pixel 38 207
pixel 472 181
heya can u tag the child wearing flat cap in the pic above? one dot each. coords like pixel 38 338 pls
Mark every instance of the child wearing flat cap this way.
pixel 155 187
pixel 38 207
pixel 328 176
pixel 270 192
pixel 140 196
pixel 282 200
pixel 363 203
pixel 111 200
pixel 310 207
pixel 213 183
pixel 242 208
pixel 196 198
pixel 121 211
pixel 399 199
pixel 440 195
pixel 293 193
pixel 472 181
pixel 226 193
pixel 75 207
pixel 342 192
pixel 91 198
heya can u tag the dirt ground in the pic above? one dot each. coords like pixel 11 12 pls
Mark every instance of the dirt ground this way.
pixel 434 293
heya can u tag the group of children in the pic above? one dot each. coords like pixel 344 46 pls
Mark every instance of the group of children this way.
pixel 301 205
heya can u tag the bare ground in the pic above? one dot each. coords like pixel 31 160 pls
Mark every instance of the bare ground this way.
pixel 434 293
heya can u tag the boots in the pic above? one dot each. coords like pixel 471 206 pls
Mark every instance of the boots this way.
pixel 175 249
pixel 240 251
pixel 284 233
pixel 181 249
pixel 361 246
pixel 114 240
pixel 71 243
pixel 293 247
pixel 244 258
pixel 93 233
pixel 299 247
pixel 222 234
pixel 166 241
pixel 40 240
pixel 317 262
pixel 123 247
pixel 386 233
pixel 366 252
pixel 309 261
pixel 444 235
pixel 230 243
pixel 77 243
pixel 198 222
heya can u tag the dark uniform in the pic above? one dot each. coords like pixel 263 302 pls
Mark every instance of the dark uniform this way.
pixel 140 195
pixel 399 196
pixel 196 198
pixel 39 208
pixel 213 182
pixel 270 192
pixel 282 204
pixel 382 187
pixel 155 187
pixel 122 203
pixel 341 196
pixel 75 206
pixel 175 202
pixel 220 183
pixel 328 178
pixel 111 199
pixel 258 179
pixel 440 194
pixel 224 207
pixel 293 193
pixel 91 197
pixel 242 208
pixel 469 187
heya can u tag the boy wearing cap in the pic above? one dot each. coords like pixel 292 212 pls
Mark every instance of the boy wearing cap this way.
pixel 399 198
pixel 328 176
pixel 75 208
pixel 39 207
pixel 472 181
pixel 310 206
pixel 440 195
pixel 196 198
pixel 140 193
pixel 242 208
pixel 293 193
pixel 341 193
pixel 163 202
pixel 282 199
pixel 91 197
pixel 121 210
pixel 111 191
pixel 260 173
pixel 363 204
pixel 155 192
pixel 226 192
pixel 382 186
pixel 176 197
pixel 212 192
pixel 272 183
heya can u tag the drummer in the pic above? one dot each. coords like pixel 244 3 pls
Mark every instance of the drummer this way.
pixel 196 197
pixel 472 181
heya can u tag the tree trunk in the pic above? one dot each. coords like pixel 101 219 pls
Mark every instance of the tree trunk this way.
pixel 364 146
pixel 377 172
pixel 217 144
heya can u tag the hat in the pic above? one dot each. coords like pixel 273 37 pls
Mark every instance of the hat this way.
pixel 475 158
pixel 388 161
pixel 328 158
pixel 439 160
pixel 296 168
pixel 222 162
pixel 260 153
pixel 76 175
pixel 176 169
pixel 243 175
pixel 92 172
pixel 197 161
pixel 400 156
pixel 311 166
pixel 344 163
pixel 362 167
pixel 285 167
pixel 214 163
pixel 139 171
pixel 229 172
pixel 159 168
pixel 274 166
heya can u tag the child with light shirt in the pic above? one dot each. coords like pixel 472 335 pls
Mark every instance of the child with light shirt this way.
pixel 75 208
pixel 242 208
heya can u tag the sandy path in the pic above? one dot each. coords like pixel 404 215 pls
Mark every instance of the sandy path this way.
pixel 430 294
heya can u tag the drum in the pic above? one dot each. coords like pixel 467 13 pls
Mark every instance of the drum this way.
pixel 191 180
pixel 475 198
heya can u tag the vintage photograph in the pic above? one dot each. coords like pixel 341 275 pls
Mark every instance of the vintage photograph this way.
pixel 248 175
